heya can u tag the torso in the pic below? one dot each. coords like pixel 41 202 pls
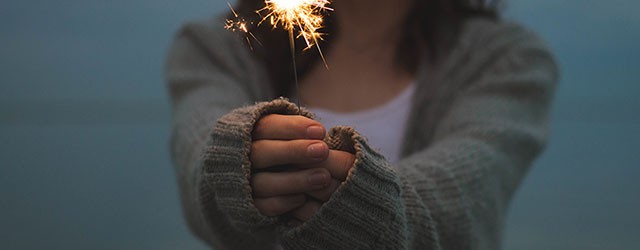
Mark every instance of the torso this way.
pixel 357 79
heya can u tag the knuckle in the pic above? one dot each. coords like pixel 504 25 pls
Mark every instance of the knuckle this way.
pixel 291 182
pixel 263 206
pixel 278 209
pixel 259 128
pixel 259 185
pixel 254 183
pixel 256 147
pixel 259 155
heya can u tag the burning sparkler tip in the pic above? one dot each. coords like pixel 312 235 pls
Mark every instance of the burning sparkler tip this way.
pixel 303 16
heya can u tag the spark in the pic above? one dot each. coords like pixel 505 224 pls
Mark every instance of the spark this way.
pixel 240 24
pixel 301 16
pixel 305 16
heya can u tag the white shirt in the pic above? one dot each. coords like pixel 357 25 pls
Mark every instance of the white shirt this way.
pixel 383 126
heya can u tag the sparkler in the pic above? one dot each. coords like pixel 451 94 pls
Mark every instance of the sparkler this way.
pixel 303 16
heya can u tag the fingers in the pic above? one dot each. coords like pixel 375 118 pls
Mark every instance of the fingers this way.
pixel 287 127
pixel 306 211
pixel 337 162
pixel 325 193
pixel 278 205
pixel 268 184
pixel 268 153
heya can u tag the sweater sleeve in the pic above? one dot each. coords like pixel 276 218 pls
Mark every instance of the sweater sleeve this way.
pixel 208 75
pixel 453 193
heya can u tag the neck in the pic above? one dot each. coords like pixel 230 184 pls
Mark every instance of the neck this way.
pixel 370 23
pixel 367 37
pixel 361 57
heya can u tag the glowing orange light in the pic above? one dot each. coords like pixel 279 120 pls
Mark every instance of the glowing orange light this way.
pixel 239 24
pixel 305 16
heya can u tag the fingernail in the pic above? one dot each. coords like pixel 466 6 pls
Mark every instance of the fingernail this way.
pixel 315 132
pixel 316 150
pixel 318 178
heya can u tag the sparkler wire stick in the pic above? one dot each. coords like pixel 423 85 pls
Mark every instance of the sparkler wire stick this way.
pixel 292 45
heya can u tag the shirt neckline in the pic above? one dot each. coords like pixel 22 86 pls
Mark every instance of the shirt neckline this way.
pixel 394 104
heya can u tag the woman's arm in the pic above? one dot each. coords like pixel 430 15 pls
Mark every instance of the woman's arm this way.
pixel 209 73
pixel 454 193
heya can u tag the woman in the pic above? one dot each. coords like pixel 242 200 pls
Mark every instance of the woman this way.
pixel 470 96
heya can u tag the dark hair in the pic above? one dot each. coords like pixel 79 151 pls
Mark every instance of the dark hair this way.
pixel 435 21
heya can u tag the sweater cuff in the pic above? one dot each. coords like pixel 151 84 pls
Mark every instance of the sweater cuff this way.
pixel 363 212
pixel 226 167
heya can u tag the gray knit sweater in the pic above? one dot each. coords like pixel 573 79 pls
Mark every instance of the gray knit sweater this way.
pixel 477 122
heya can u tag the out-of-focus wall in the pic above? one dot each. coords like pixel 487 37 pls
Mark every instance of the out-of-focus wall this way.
pixel 582 193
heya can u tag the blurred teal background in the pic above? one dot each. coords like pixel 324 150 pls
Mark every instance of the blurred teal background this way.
pixel 84 127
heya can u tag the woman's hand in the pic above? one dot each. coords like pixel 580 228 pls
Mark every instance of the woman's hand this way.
pixel 284 140
pixel 295 141
pixel 338 163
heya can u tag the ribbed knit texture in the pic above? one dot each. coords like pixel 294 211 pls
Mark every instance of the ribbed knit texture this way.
pixel 477 122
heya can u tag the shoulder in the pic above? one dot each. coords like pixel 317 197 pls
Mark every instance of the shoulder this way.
pixel 490 48
pixel 491 35
pixel 208 40
pixel 204 50
pixel 207 32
